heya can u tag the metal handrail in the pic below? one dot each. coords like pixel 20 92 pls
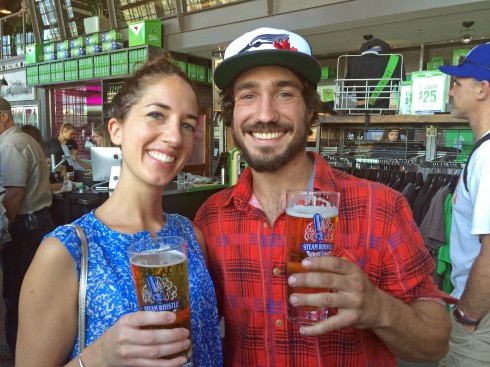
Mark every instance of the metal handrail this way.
pixel 353 95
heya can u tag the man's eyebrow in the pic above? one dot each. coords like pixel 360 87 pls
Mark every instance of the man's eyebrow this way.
pixel 277 84
pixel 287 83
pixel 247 85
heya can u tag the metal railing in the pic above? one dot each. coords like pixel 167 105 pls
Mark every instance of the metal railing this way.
pixel 361 96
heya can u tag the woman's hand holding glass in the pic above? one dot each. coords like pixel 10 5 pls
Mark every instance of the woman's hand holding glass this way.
pixel 130 342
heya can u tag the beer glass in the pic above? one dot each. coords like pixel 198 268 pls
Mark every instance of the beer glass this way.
pixel 159 269
pixel 311 221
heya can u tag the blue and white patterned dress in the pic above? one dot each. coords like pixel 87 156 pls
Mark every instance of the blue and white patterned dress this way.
pixel 110 288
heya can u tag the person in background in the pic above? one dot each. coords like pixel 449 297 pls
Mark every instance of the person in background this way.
pixel 27 199
pixel 101 136
pixel 391 135
pixel 155 116
pixel 64 145
pixel 383 304
pixel 35 133
pixel 470 230
pixel 37 136
pixel 4 229
pixel 4 243
pixel 4 235
pixel 54 145
pixel 70 150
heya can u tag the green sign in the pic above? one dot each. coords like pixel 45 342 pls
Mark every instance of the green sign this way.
pixel 405 98
pixel 464 140
pixel 429 92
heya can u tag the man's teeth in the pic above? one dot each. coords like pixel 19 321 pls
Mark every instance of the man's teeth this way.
pixel 267 136
pixel 162 157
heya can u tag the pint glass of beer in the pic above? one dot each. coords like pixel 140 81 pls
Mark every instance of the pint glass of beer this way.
pixel 159 268
pixel 311 221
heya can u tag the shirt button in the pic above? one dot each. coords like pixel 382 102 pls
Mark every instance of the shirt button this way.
pixel 279 323
pixel 266 225
pixel 276 271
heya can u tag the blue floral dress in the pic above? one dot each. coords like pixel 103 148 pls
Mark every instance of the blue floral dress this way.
pixel 110 288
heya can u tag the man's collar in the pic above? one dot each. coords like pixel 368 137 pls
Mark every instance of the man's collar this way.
pixel 324 180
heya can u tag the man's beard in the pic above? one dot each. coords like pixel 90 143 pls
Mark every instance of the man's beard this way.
pixel 455 112
pixel 267 160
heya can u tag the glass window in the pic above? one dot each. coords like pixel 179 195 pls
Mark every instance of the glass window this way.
pixel 15 36
pixel 48 24
pixel 196 5
pixel 71 105
pixel 70 20
pixel 134 10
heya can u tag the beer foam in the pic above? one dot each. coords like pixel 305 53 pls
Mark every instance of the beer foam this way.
pixel 169 258
pixel 308 211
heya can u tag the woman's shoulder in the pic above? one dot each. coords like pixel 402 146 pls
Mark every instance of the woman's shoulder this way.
pixel 67 234
pixel 178 225
pixel 178 220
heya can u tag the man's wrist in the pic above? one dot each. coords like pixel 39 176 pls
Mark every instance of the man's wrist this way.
pixel 461 317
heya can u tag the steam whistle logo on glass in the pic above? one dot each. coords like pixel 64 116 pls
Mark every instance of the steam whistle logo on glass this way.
pixel 319 233
pixel 160 294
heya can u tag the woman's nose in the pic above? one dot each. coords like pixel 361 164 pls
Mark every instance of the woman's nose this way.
pixel 172 133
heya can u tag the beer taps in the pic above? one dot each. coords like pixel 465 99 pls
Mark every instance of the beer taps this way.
pixel 55 166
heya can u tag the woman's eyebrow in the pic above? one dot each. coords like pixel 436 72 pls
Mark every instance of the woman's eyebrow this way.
pixel 167 107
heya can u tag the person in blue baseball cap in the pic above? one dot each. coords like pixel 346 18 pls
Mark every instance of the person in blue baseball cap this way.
pixel 470 230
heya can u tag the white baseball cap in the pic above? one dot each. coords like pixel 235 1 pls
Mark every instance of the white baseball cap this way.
pixel 267 46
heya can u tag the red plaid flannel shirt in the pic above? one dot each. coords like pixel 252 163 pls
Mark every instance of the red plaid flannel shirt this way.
pixel 247 263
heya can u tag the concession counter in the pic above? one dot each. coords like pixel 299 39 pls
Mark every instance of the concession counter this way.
pixel 183 199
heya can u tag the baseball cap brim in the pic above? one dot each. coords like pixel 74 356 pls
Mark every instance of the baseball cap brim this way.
pixel 466 71
pixel 301 63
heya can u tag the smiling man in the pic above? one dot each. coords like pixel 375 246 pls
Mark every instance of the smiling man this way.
pixel 384 304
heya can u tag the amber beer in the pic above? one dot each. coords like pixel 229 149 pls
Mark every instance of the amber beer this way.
pixel 160 276
pixel 311 221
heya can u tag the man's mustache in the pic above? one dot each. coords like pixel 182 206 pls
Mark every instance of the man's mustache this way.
pixel 267 127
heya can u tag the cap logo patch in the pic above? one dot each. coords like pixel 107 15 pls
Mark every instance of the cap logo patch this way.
pixel 279 41
pixel 284 45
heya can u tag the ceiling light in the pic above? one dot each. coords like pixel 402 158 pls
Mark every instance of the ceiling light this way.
pixel 3 82
pixel 467 37
pixel 469 34
pixel 5 11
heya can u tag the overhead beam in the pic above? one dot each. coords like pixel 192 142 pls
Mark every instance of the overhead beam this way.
pixel 181 15
pixel 34 21
pixel 270 7
pixel 58 10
